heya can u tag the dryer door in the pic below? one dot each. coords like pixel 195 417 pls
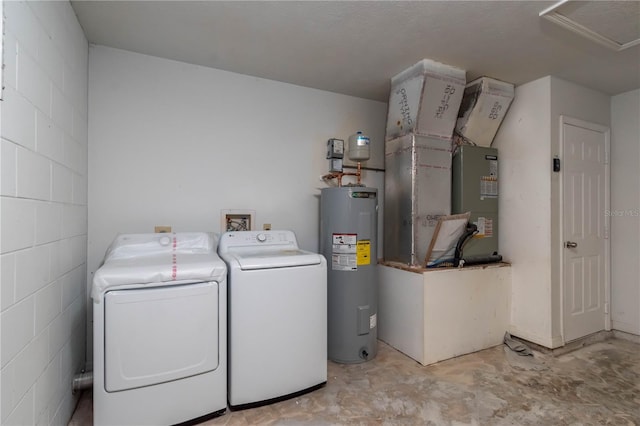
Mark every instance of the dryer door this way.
pixel 158 334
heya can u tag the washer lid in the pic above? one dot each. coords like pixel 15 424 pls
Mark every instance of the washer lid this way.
pixel 150 259
pixel 267 259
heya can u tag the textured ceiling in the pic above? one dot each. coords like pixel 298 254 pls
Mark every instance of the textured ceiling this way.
pixel 356 47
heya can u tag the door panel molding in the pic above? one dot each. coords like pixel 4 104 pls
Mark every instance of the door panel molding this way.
pixel 591 227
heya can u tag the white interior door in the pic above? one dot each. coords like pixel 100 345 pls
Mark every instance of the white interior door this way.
pixel 585 188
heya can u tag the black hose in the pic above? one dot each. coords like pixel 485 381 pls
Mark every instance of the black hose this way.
pixel 471 230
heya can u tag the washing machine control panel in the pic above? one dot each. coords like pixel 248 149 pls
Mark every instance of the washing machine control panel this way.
pixel 257 238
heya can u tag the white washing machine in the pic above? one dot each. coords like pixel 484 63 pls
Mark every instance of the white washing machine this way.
pixel 159 330
pixel 277 317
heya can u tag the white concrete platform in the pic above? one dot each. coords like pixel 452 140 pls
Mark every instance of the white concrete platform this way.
pixel 436 314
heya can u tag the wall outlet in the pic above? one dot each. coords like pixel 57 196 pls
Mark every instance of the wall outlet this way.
pixel 162 229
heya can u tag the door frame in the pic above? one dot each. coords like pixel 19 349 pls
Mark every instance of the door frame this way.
pixel 606 131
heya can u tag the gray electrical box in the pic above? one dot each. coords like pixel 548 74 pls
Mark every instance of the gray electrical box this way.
pixel 475 189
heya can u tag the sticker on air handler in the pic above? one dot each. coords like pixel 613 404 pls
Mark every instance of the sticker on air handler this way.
pixel 488 187
pixel 344 252
pixel 485 227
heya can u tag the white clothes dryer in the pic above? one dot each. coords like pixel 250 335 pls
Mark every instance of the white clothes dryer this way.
pixel 159 330
pixel 277 317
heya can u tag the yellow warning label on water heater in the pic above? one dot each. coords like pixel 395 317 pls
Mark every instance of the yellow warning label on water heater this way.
pixel 363 252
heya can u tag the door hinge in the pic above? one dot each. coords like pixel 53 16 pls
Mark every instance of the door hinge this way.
pixel 606 232
pixel 606 157
pixel 606 308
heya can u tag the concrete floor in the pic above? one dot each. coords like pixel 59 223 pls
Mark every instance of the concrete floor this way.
pixel 596 384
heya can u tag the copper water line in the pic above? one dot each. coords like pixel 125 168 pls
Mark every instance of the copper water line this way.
pixel 340 175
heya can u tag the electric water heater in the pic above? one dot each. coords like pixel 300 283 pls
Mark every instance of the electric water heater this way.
pixel 348 240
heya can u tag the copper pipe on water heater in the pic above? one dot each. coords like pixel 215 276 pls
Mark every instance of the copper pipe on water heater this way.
pixel 357 174
pixel 340 175
pixel 330 176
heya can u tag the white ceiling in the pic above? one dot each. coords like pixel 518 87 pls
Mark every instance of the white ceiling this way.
pixel 355 47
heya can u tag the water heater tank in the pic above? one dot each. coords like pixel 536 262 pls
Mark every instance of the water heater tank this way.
pixel 348 240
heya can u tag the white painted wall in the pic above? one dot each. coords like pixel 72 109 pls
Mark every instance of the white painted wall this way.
pixel 174 144
pixel 530 215
pixel 43 205
pixel 625 202
pixel 524 208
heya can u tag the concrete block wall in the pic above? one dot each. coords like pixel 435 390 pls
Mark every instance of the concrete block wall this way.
pixel 43 209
